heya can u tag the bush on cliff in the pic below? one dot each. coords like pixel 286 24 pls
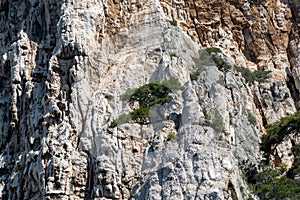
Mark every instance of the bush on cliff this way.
pixel 147 96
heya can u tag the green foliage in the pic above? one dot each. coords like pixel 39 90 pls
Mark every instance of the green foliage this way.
pixel 172 84
pixel 173 55
pixel 259 75
pixel 211 50
pixel 173 23
pixel 274 184
pixel 295 170
pixel 124 118
pixel 251 119
pixel 150 94
pixel 220 63
pixel 287 95
pixel 279 130
pixel 269 185
pixel 140 115
pixel 147 96
pixel 215 56
pixel 127 95
pixel 113 124
pixel 172 136
pixel 204 58
pixel 194 75
pixel 233 193
pixel 221 80
pixel 216 120
pixel 218 124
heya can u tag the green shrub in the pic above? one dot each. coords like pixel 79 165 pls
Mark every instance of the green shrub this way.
pixel 287 95
pixel 173 54
pixel 274 184
pixel 127 95
pixel 172 136
pixel 194 75
pixel 221 80
pixel 220 63
pixel 147 96
pixel 252 119
pixel 295 170
pixel 279 130
pixel 173 23
pixel 269 185
pixel 140 115
pixel 150 94
pixel 113 124
pixel 217 123
pixel 124 118
pixel 216 120
pixel 259 75
pixel 211 50
pixel 216 56
pixel 173 84
pixel 204 58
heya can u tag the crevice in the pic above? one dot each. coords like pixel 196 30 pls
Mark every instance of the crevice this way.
pixel 232 190
pixel 247 52
pixel 290 82
pixel 258 105
pixel 89 195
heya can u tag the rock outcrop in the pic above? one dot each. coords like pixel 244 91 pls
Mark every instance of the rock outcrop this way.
pixel 64 68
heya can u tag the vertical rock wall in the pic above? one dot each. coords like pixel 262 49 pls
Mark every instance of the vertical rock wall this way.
pixel 65 64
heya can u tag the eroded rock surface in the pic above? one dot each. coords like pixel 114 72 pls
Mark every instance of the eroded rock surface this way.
pixel 65 65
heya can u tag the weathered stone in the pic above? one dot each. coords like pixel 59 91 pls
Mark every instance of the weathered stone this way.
pixel 65 64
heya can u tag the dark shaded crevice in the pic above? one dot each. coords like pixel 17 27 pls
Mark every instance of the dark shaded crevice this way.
pixel 248 53
pixel 176 118
pixel 290 82
pixel 4 6
pixel 143 192
pixel 258 105
pixel 16 142
pixel 89 194
pixel 293 36
pixel 237 6
pixel 232 191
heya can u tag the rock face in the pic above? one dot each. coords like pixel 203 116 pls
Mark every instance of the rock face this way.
pixel 64 68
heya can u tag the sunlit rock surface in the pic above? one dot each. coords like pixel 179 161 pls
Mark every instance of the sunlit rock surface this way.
pixel 65 65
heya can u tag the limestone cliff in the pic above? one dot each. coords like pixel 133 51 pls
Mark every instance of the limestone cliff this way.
pixel 65 65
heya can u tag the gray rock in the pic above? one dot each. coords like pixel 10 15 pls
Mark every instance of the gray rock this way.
pixel 64 66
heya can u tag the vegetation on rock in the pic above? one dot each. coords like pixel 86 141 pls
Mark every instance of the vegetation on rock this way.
pixel 211 50
pixel 150 94
pixel 194 75
pixel 279 130
pixel 172 136
pixel 215 119
pixel 252 119
pixel 147 96
pixel 259 75
pixel 173 23
pixel 217 58
pixel 294 172
pixel 214 56
pixel 270 184
pixel 281 183
pixel 139 115
pixel 172 84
